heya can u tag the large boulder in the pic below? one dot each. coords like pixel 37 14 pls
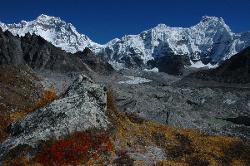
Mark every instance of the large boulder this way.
pixel 82 107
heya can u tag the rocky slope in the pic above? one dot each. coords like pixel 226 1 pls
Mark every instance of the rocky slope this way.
pixel 42 55
pixel 20 91
pixel 208 106
pixel 84 127
pixel 204 108
pixel 174 65
pixel 80 108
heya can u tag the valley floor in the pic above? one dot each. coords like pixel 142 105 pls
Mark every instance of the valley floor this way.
pixel 154 119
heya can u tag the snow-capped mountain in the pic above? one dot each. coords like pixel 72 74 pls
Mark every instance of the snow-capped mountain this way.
pixel 210 41
pixel 205 44
pixel 55 31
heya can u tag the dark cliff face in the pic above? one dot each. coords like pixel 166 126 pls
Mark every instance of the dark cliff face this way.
pixel 40 54
pixel 234 70
pixel 10 49
pixel 95 62
pixel 172 64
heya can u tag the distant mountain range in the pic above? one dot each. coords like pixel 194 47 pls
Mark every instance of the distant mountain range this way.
pixel 206 44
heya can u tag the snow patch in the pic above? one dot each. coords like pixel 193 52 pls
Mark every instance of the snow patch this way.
pixel 134 80
pixel 155 69
pixel 199 64
pixel 116 65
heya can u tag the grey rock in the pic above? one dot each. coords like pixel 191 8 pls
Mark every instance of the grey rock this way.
pixel 82 107
pixel 201 105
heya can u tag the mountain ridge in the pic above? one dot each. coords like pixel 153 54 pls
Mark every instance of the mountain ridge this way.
pixel 39 54
pixel 54 30
pixel 209 42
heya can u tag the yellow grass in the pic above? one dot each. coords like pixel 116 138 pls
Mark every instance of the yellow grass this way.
pixel 187 147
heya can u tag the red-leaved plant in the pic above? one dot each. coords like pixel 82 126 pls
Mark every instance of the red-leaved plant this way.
pixel 76 149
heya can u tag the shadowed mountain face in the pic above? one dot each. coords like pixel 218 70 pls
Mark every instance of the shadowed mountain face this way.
pixel 96 63
pixel 234 70
pixel 174 65
pixel 40 54
pixel 11 50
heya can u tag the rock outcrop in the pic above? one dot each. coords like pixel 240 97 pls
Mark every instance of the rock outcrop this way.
pixel 82 107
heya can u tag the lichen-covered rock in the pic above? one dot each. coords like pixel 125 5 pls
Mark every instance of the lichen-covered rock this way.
pixel 82 107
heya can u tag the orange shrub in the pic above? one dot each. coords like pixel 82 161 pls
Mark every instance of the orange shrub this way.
pixel 48 97
pixel 78 148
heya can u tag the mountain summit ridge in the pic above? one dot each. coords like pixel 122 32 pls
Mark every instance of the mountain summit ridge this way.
pixel 210 41
pixel 53 29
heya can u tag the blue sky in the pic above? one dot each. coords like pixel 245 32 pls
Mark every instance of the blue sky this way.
pixel 103 20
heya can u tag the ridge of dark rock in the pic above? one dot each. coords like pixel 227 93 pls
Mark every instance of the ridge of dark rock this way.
pixel 234 70
pixel 42 55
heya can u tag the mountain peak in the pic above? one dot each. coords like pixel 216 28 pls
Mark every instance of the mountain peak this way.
pixel 212 22
pixel 161 25
pixel 209 41
pixel 212 18
pixel 54 30
pixel 44 17
pixel 50 20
